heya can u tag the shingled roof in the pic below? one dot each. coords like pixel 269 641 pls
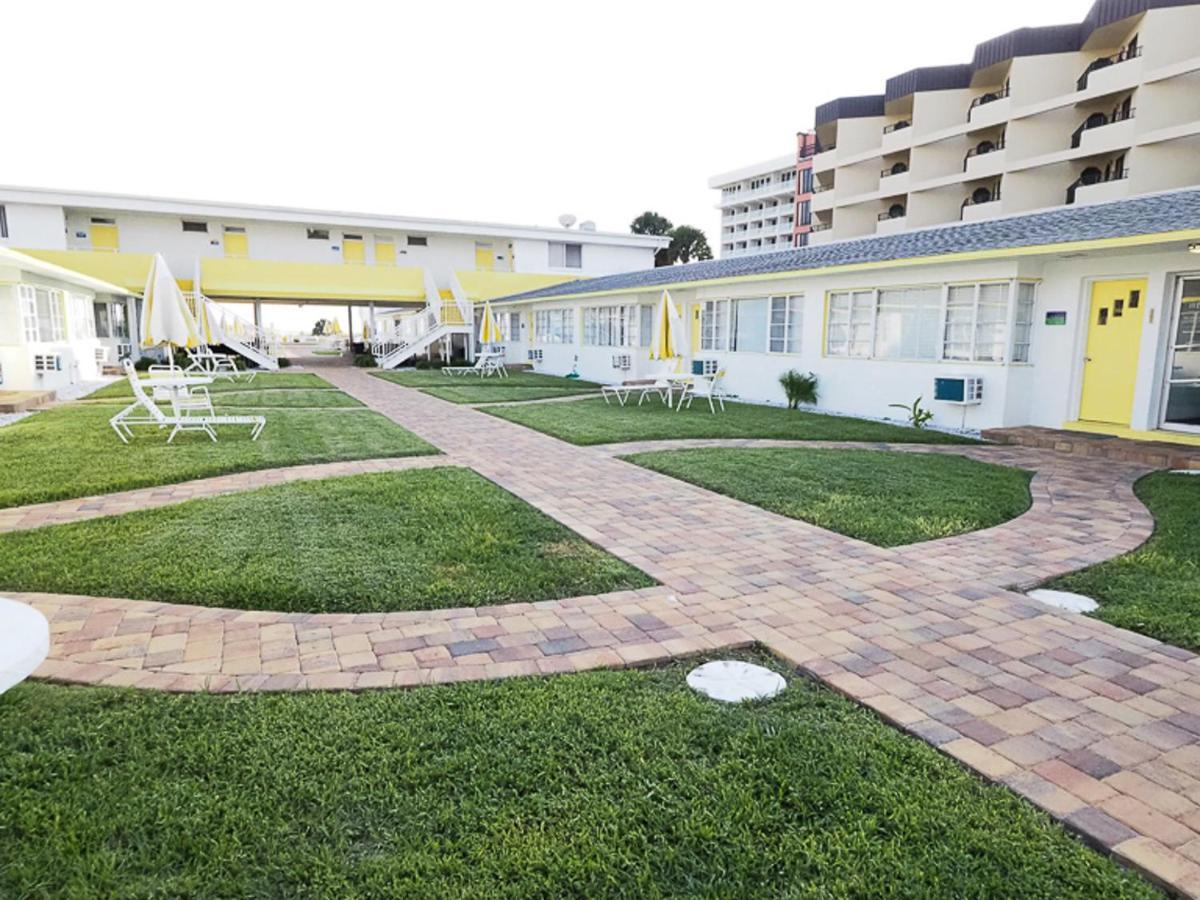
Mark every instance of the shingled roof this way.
pixel 1147 215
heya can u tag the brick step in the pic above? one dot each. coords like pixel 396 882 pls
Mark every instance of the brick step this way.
pixel 1153 454
pixel 23 401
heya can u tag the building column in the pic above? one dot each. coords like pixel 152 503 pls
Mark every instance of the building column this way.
pixel 258 314
pixel 135 328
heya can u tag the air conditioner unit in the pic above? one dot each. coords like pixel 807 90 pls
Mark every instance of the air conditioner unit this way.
pixel 961 390
pixel 101 356
pixel 535 355
pixel 622 361
pixel 705 366
pixel 47 362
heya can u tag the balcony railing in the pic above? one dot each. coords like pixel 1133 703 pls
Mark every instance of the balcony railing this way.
pixel 893 170
pixel 821 226
pixel 896 212
pixel 897 126
pixel 982 150
pixel 1087 179
pixel 981 196
pixel 821 188
pixel 1099 120
pixel 1105 61
pixel 989 97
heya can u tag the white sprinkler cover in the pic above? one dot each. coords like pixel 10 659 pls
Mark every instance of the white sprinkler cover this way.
pixel 1065 600
pixel 732 681
pixel 24 641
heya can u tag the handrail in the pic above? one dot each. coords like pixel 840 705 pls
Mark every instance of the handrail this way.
pixel 885 216
pixel 892 170
pixel 897 126
pixel 243 331
pixel 821 226
pixel 976 151
pixel 1118 115
pixel 971 201
pixel 1124 55
pixel 1105 178
pixel 989 97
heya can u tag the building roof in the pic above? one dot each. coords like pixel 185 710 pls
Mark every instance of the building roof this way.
pixel 234 212
pixel 27 263
pixel 766 167
pixel 1148 215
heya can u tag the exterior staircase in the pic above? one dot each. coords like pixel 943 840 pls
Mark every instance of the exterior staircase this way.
pixel 415 334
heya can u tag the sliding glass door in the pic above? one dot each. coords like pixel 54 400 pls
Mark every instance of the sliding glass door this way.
pixel 1183 367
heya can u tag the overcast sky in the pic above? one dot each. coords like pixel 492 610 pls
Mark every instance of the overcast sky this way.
pixel 511 112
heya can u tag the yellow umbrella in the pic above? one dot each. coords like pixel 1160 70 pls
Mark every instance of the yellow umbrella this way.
pixel 212 328
pixel 166 318
pixel 668 330
pixel 489 328
pixel 337 327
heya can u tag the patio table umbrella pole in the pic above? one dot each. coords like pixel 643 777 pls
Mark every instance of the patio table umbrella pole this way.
pixel 166 318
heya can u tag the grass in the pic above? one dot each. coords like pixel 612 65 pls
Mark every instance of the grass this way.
pixel 1155 589
pixel 70 451
pixel 120 390
pixel 424 539
pixel 928 495
pixel 595 422
pixel 601 784
pixel 473 389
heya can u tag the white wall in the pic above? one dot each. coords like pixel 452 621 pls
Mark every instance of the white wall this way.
pixel 31 225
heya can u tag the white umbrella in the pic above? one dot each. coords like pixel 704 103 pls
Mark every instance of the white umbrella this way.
pixel 212 326
pixel 668 330
pixel 166 318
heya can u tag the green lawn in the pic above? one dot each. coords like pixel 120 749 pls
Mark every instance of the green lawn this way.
pixel 595 422
pixel 601 784
pixel 1155 589
pixel 473 389
pixel 424 539
pixel 70 451
pixel 927 495
pixel 263 380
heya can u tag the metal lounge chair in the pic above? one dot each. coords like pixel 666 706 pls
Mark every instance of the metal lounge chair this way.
pixel 193 415
pixel 705 387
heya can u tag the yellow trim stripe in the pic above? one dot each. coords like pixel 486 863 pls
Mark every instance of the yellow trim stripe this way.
pixel 1139 240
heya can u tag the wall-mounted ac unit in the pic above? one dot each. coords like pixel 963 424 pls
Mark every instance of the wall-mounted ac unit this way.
pixel 622 361
pixel 535 355
pixel 47 362
pixel 705 366
pixel 961 390
pixel 101 356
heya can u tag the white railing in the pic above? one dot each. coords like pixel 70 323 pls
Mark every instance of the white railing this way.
pixel 241 331
pixel 403 333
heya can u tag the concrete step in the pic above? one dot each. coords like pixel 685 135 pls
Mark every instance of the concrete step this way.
pixel 23 401
pixel 1154 454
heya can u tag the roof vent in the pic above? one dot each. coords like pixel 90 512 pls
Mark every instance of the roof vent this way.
pixel 589 225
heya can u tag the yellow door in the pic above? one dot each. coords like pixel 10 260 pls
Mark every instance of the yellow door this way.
pixel 237 244
pixel 385 253
pixel 1114 336
pixel 104 237
pixel 353 250
pixel 485 257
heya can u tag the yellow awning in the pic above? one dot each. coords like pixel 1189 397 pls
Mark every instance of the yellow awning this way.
pixel 253 278
pixel 128 270
pixel 480 286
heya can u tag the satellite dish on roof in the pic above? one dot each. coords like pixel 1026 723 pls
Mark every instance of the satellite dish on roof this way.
pixel 589 225
pixel 566 220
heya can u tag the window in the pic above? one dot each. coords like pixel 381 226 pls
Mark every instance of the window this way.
pixel 645 325
pixel 610 326
pixel 317 234
pixel 98 220
pixel 235 229
pixel 907 321
pixel 103 327
pixel 1023 321
pixel 83 323
pixel 3 222
pixel 555 326
pixel 49 315
pixel 414 240
pixel 806 181
pixel 976 322
pixel 851 322
pixel 201 227
pixel 566 256
pixel 120 322
pixel 750 325
pixel 513 331
pixel 29 316
pixel 714 325
pixel 787 315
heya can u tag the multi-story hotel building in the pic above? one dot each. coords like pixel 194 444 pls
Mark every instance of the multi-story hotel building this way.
pixel 1041 117
pixel 240 254
pixel 758 207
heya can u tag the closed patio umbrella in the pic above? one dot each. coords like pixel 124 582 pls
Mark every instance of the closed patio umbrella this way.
pixel 667 336
pixel 489 328
pixel 166 317
pixel 212 326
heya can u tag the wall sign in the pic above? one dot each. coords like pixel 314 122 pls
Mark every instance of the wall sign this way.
pixel 1056 317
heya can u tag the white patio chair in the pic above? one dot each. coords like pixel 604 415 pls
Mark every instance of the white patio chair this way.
pixel 660 385
pixel 705 387
pixel 144 411
pixel 480 363
pixel 619 391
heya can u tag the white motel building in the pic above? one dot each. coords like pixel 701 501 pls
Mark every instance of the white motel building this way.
pixel 246 256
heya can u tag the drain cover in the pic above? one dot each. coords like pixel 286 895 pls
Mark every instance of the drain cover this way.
pixel 1065 600
pixel 732 681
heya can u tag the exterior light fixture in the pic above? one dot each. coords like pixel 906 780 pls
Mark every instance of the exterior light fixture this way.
pixel 1194 248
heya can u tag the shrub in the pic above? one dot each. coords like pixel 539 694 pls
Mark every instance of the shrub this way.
pixel 143 363
pixel 364 360
pixel 798 388
pixel 284 362
pixel 918 416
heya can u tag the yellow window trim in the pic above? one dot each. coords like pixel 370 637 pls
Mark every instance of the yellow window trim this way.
pixel 1140 240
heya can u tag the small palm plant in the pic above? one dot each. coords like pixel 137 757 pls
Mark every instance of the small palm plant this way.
pixel 799 388
pixel 918 416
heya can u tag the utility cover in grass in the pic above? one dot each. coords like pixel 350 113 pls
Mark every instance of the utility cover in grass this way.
pixel 732 681
pixel 1065 600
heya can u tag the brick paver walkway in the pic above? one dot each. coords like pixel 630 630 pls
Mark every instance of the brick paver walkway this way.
pixel 1099 726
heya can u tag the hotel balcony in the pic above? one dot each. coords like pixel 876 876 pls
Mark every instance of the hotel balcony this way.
pixel 1103 134
pixel 896 136
pixel 892 220
pixel 984 159
pixel 1112 73
pixel 894 182
pixel 989 109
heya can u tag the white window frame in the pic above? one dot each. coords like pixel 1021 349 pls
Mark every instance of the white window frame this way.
pixel 554 326
pixel 560 254
pixel 714 325
pixel 790 331
pixel 27 295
